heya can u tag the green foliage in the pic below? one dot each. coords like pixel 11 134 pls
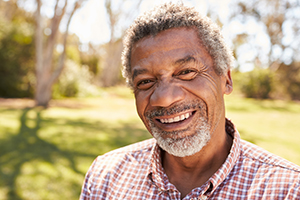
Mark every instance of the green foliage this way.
pixel 288 81
pixel 75 81
pixel 92 61
pixel 72 51
pixel 255 84
pixel 17 57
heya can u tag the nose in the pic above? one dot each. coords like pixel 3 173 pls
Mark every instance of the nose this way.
pixel 165 94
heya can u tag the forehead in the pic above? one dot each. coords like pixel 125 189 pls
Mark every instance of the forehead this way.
pixel 175 43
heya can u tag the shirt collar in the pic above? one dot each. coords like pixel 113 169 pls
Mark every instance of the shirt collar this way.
pixel 217 178
pixel 158 176
pixel 156 172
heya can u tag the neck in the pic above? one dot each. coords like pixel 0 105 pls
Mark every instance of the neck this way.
pixel 187 173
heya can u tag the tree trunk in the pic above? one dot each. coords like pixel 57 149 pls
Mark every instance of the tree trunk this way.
pixel 45 75
pixel 43 94
pixel 40 86
pixel 112 65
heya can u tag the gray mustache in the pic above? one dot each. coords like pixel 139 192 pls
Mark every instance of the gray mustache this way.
pixel 177 108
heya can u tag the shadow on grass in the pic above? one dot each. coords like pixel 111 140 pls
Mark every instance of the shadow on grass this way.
pixel 63 148
pixel 27 146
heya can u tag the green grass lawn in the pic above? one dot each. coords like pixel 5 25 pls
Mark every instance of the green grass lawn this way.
pixel 271 124
pixel 44 154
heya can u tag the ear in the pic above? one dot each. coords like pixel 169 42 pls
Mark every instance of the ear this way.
pixel 228 84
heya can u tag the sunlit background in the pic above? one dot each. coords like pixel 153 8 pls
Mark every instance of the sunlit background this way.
pixel 63 100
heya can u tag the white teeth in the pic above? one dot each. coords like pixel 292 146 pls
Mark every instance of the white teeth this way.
pixel 176 119
pixel 182 117
pixel 187 115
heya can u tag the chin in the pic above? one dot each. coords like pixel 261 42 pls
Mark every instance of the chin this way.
pixel 186 146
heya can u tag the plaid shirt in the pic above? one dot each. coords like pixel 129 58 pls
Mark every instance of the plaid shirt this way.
pixel 135 172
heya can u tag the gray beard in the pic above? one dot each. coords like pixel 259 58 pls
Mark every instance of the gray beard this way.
pixel 188 145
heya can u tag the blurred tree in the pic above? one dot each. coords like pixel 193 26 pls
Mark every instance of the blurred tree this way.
pixel 118 12
pixel 288 81
pixel 280 22
pixel 46 73
pixel 91 57
pixel 257 83
pixel 16 51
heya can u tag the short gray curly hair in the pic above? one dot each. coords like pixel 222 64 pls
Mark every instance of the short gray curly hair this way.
pixel 170 15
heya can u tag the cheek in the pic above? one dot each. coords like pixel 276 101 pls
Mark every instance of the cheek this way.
pixel 207 89
pixel 141 104
pixel 141 107
pixel 201 87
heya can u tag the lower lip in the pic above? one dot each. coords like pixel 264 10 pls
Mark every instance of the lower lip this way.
pixel 175 125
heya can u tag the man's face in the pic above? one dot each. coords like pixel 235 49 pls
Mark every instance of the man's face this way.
pixel 179 97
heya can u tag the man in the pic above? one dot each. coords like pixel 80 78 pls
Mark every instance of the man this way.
pixel 179 68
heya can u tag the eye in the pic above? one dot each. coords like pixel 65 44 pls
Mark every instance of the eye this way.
pixel 145 84
pixel 187 74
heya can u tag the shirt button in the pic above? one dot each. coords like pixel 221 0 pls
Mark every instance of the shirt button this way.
pixel 160 190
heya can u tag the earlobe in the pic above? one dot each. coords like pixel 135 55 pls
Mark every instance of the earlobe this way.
pixel 229 86
pixel 228 89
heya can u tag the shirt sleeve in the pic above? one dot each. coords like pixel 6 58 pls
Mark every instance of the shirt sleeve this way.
pixel 86 187
pixel 294 192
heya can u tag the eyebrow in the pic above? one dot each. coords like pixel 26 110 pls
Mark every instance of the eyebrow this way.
pixel 137 72
pixel 189 58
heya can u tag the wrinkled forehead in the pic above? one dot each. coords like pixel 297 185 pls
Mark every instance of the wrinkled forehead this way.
pixel 169 43
pixel 174 38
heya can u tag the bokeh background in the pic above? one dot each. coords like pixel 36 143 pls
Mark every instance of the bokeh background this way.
pixel 63 100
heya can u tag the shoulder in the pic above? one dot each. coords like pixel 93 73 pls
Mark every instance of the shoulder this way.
pixel 255 154
pixel 114 173
pixel 259 174
pixel 136 148
pixel 131 154
pixel 124 160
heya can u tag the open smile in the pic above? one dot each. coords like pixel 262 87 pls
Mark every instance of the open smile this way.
pixel 177 127
pixel 178 118
pixel 175 122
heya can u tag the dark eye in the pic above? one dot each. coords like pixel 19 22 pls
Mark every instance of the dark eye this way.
pixel 145 84
pixel 187 74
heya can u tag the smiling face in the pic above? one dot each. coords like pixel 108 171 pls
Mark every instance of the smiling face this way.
pixel 179 96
